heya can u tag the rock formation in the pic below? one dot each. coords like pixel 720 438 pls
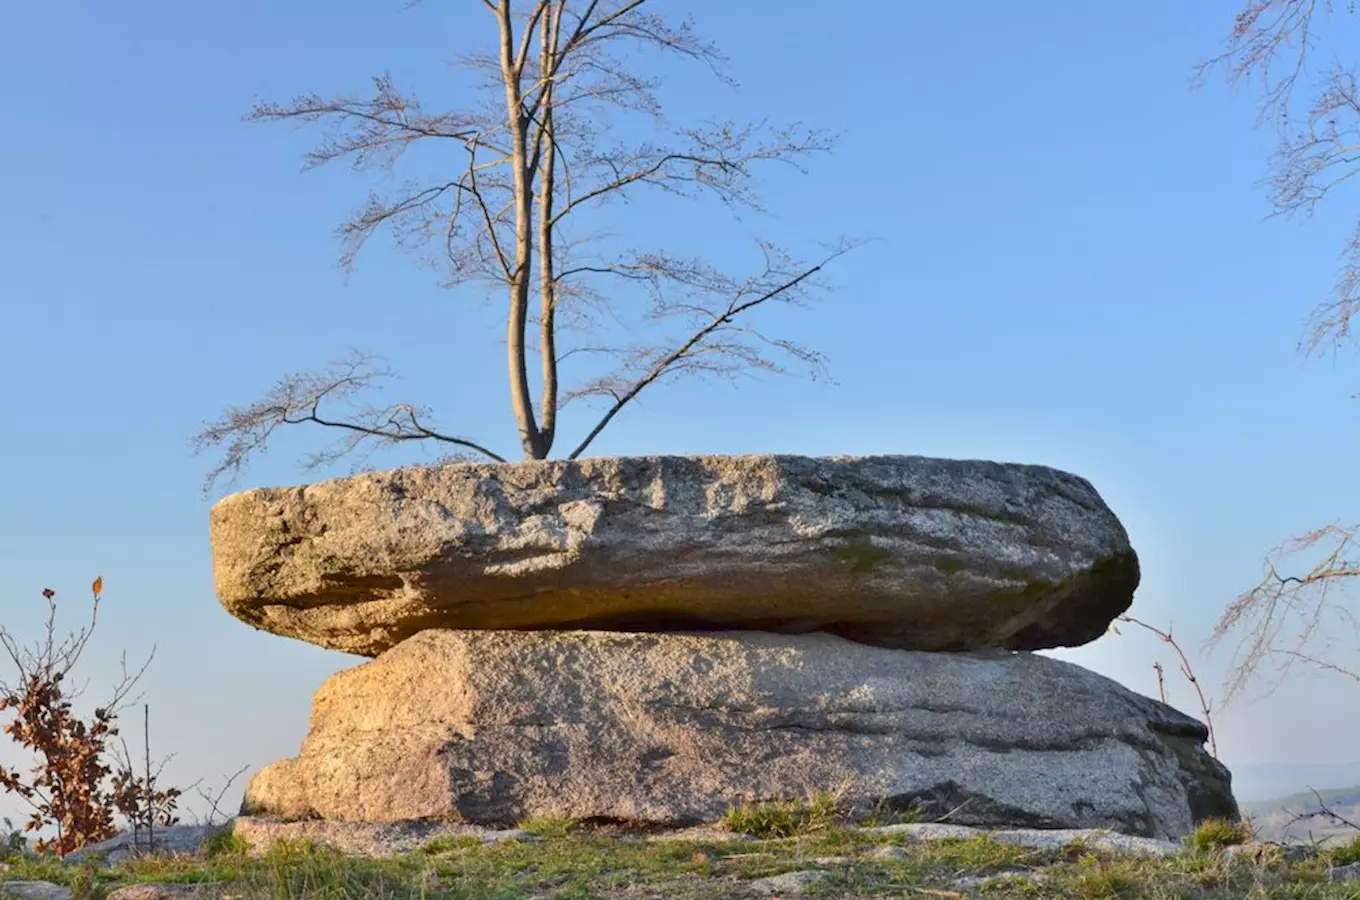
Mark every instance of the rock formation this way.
pixel 490 727
pixel 654 640
pixel 894 551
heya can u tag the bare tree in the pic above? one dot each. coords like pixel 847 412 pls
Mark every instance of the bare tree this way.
pixel 514 217
pixel 1289 619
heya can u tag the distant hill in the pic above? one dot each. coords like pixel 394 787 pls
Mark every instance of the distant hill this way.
pixel 1275 819
pixel 1271 781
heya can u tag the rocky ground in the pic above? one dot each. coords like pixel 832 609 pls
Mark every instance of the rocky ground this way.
pixel 552 859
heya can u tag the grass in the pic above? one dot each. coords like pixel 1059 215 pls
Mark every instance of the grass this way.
pixel 786 819
pixel 584 863
pixel 548 826
pixel 1215 834
pixel 1344 854
pixel 223 842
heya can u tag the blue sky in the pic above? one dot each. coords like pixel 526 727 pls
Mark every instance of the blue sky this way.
pixel 1068 264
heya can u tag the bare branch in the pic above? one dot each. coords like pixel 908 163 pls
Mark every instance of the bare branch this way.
pixel 699 352
pixel 1187 672
pixel 1285 614
pixel 1273 42
pixel 1323 811
pixel 718 159
pixel 245 431
pixel 373 131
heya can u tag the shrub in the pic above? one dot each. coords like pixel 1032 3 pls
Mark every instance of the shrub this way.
pixel 1345 854
pixel 12 841
pixel 76 786
pixel 1215 834
pixel 225 842
pixel 784 819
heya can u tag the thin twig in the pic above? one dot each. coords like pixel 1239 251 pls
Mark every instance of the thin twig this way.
pixel 1187 672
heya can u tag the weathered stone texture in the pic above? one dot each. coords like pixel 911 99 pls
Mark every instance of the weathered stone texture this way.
pixel 894 551
pixel 491 727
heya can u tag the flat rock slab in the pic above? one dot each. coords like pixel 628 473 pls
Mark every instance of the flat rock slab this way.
pixel 387 840
pixel 894 551
pixel 1037 838
pixel 493 727
pixel 33 890
pixel 368 839
pixel 173 840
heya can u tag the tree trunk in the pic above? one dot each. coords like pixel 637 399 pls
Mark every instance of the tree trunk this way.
pixel 521 403
pixel 546 270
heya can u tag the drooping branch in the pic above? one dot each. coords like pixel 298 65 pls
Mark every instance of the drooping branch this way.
pixel 1318 120
pixel 371 131
pixel 299 398
pixel 1286 614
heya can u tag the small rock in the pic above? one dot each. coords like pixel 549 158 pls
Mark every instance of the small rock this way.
pixel 173 840
pixel 1346 873
pixel 788 883
pixel 1093 838
pixel 33 890
pixel 167 892
pixel 700 834
pixel 1037 838
pixel 368 839
pixel 921 831
pixel 971 882
pixel 496 836
pixel 888 851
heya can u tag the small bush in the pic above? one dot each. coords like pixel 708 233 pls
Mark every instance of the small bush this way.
pixel 1345 854
pixel 78 786
pixel 1215 834
pixel 293 849
pixel 784 819
pixel 13 844
pixel 225 842
pixel 1106 880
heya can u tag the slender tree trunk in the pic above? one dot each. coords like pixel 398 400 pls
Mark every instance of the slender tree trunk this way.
pixel 546 269
pixel 521 402
pixel 150 791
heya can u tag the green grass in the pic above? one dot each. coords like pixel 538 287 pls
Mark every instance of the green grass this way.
pixel 785 819
pixel 1344 854
pixel 884 815
pixel 1215 834
pixel 585 863
pixel 223 842
pixel 548 826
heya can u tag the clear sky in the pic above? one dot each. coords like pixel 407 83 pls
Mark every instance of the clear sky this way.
pixel 1069 265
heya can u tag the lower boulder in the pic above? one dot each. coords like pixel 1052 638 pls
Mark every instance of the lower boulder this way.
pixel 492 727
